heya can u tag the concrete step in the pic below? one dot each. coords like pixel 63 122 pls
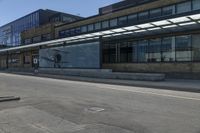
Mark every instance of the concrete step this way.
pixel 103 73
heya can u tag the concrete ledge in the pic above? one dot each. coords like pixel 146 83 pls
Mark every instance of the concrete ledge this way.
pixel 103 74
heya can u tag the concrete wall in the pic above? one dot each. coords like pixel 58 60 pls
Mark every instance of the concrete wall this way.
pixel 155 67
pixel 86 55
pixel 173 70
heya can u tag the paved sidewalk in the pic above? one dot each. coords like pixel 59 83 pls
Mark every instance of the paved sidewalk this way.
pixel 170 84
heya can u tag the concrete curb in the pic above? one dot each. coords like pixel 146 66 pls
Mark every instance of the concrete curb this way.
pixel 10 98
pixel 146 84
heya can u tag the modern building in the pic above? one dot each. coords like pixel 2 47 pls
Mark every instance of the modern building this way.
pixel 130 36
pixel 10 34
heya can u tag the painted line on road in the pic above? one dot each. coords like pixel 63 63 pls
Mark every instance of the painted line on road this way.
pixel 157 94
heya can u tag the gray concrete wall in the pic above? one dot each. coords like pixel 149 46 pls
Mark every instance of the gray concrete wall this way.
pixel 154 67
pixel 183 70
pixel 73 56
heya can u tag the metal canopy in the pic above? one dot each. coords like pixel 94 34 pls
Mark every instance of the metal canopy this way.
pixel 178 22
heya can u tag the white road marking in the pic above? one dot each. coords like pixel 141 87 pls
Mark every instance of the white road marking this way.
pixel 158 94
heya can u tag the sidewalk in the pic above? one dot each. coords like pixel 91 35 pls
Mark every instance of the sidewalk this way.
pixel 169 84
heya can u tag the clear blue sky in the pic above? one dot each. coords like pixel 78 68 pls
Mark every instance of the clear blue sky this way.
pixel 13 9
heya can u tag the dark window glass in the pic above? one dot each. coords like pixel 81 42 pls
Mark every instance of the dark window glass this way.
pixel 112 53
pixel 184 7
pixel 169 10
pixel 196 4
pixel 155 50
pixel 46 37
pixel 97 26
pixel 142 51
pixel 183 48
pixel 113 22
pixel 83 29
pixel 72 32
pixel 106 56
pixel 36 39
pixel 168 49
pixel 27 41
pixel 67 33
pixel 132 51
pixel 78 30
pixel 62 34
pixel 196 47
pixel 143 16
pixel 122 21
pixel 124 52
pixel 105 24
pixel 27 59
pixel 155 13
pixel 90 27
pixel 132 18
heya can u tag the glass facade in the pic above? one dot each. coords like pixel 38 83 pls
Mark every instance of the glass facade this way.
pixel 168 49
pixel 196 4
pixel 10 33
pixel 196 47
pixel 183 48
pixel 183 7
pixel 154 50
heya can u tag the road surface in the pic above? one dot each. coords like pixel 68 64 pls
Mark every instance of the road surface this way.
pixel 61 106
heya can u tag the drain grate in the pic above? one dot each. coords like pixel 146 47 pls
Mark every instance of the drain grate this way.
pixel 9 98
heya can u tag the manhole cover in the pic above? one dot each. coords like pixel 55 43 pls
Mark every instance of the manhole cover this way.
pixel 94 109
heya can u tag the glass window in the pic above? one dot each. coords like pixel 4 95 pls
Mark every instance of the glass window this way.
pixel 169 10
pixel 184 7
pixel 132 18
pixel 113 22
pixel 122 20
pixel 155 50
pixel 36 39
pixel 67 33
pixel 72 32
pixel 155 13
pixel 143 16
pixel 123 52
pixel 142 51
pixel 83 29
pixel 46 37
pixel 109 53
pixel 97 26
pixel 196 47
pixel 112 53
pixel 132 52
pixel 27 41
pixel 27 59
pixel 78 30
pixel 105 24
pixel 90 27
pixel 168 49
pixel 106 57
pixel 183 48
pixel 196 4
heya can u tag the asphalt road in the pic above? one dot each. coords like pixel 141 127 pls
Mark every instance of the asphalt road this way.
pixel 61 106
